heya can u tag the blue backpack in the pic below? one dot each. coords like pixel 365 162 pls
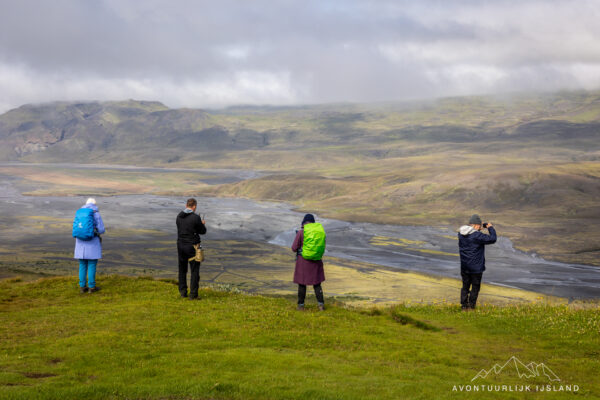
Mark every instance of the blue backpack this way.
pixel 84 224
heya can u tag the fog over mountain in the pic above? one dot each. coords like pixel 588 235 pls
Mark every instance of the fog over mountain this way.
pixel 212 54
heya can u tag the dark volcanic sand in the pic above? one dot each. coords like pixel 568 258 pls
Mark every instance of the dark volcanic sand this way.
pixel 275 223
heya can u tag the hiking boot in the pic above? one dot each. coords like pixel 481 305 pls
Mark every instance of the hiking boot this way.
pixel 94 289
pixel 83 289
pixel 300 307
pixel 194 298
pixel 183 294
pixel 321 307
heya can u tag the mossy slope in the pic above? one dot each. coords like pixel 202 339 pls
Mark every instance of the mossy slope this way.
pixel 137 339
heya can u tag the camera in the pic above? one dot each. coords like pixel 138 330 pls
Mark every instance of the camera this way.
pixel 485 224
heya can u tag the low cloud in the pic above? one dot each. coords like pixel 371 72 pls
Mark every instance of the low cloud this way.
pixel 213 54
pixel 243 87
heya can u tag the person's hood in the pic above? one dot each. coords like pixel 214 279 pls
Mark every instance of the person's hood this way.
pixel 466 230
pixel 91 206
pixel 308 219
pixel 185 213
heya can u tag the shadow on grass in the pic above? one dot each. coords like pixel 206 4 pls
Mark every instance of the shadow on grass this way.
pixel 402 319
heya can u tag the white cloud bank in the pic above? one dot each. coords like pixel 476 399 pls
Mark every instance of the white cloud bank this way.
pixel 213 54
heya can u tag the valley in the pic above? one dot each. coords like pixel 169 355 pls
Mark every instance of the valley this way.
pixel 528 163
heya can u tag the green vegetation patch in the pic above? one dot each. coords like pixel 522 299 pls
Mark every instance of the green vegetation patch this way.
pixel 137 339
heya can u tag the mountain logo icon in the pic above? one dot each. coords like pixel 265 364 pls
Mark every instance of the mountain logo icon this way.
pixel 530 370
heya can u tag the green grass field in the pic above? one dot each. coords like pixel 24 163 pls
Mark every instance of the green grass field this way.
pixel 137 339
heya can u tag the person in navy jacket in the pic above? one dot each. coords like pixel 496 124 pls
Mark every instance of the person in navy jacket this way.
pixel 471 245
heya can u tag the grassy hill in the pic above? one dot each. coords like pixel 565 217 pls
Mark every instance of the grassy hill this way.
pixel 133 130
pixel 137 339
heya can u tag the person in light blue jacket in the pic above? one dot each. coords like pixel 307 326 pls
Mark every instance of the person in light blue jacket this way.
pixel 88 252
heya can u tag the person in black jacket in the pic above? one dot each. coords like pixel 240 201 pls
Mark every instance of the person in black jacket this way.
pixel 471 245
pixel 189 228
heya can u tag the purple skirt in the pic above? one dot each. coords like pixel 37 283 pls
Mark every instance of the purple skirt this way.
pixel 308 272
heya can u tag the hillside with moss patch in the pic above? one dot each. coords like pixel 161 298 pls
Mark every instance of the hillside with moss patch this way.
pixel 137 339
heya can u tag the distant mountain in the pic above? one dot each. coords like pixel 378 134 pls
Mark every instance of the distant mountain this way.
pixel 148 132
pixel 76 131
pixel 530 370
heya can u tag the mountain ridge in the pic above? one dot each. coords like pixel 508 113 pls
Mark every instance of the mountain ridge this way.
pixel 40 132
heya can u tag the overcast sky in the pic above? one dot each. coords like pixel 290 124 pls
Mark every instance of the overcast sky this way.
pixel 219 53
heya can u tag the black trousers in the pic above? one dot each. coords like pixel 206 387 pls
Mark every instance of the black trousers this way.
pixel 185 252
pixel 470 289
pixel 318 293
